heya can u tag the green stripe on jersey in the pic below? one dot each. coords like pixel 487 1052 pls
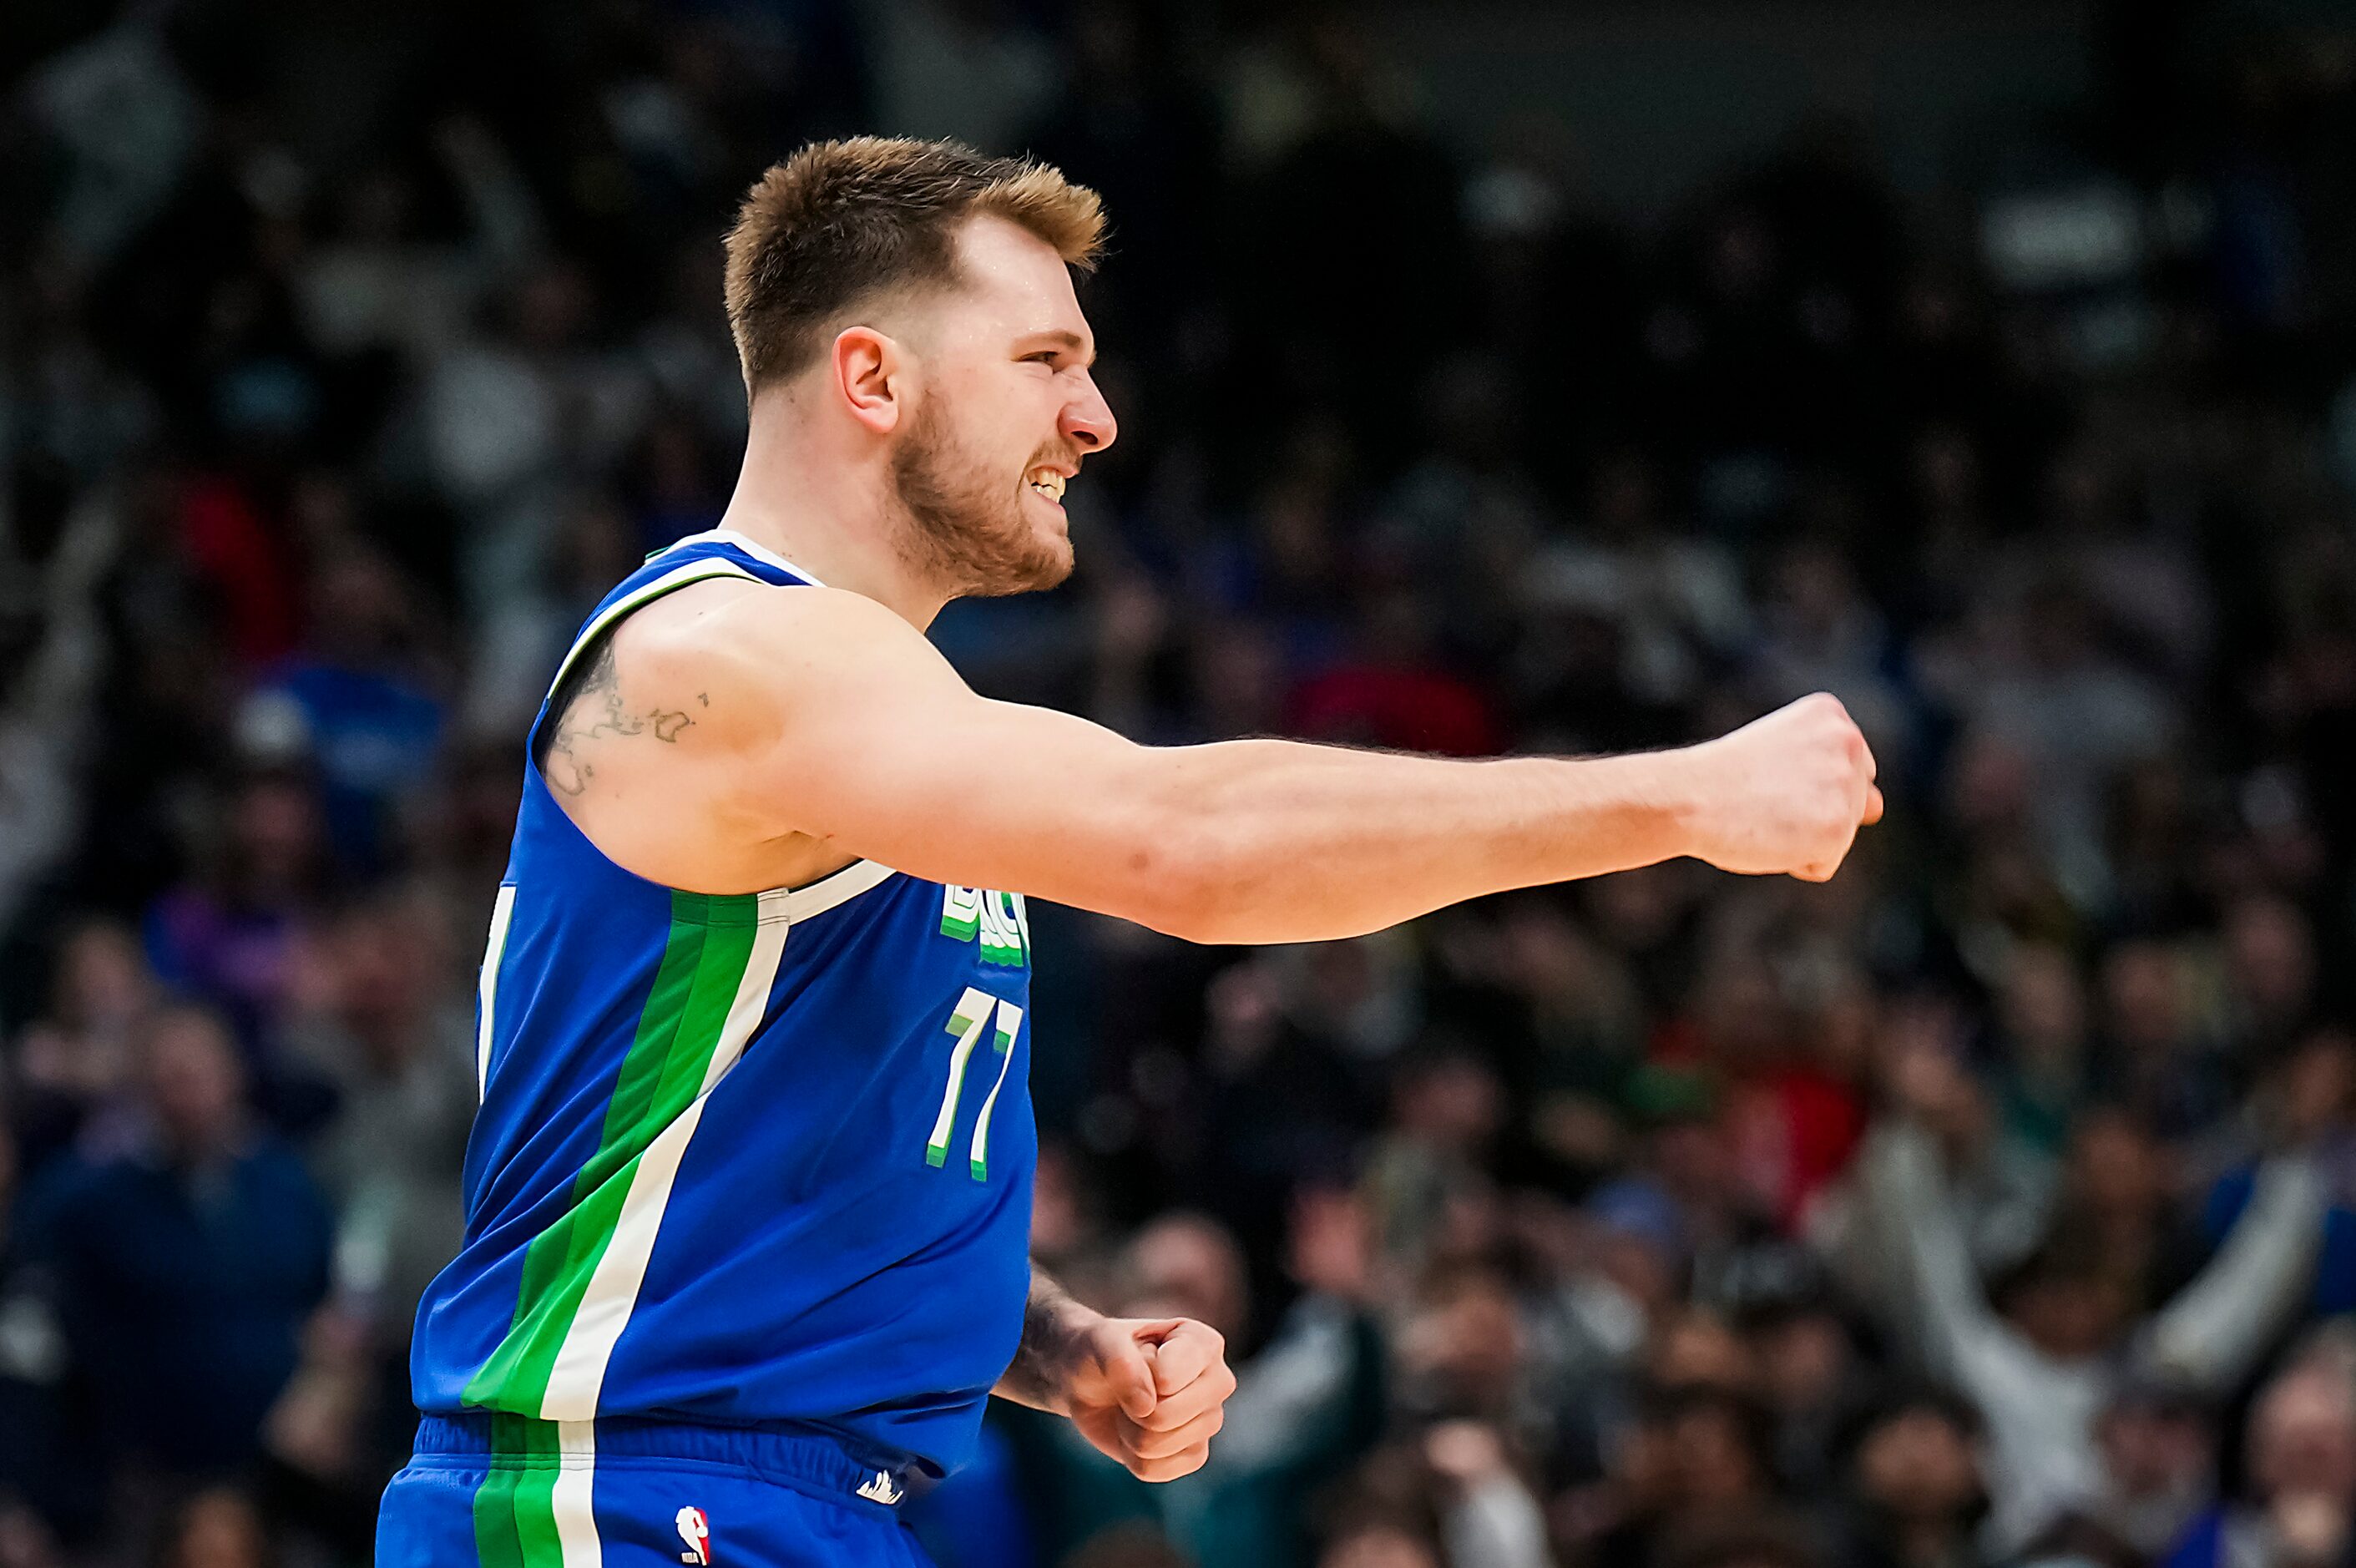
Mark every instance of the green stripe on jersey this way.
pixel 515 1507
pixel 704 960
pixel 498 1542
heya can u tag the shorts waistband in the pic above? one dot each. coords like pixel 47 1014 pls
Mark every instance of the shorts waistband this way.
pixel 806 1458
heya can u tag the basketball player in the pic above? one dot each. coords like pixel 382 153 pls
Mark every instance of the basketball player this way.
pixel 749 1192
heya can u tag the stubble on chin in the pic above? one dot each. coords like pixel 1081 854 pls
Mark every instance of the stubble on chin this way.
pixel 960 526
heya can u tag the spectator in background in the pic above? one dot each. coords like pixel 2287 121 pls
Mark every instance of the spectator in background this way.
pixel 228 936
pixel 75 1062
pixel 1761 1538
pixel 52 654
pixel 2080 716
pixel 1687 1454
pixel 2156 1056
pixel 1434 1203
pixel 1380 1543
pixel 2270 973
pixel 354 704
pixel 1489 1517
pixel 1667 605
pixel 2158 1443
pixel 2039 1368
pixel 2113 1201
pixel 1821 634
pixel 2296 1505
pixel 2044 1067
pixel 182 1274
pixel 217 1528
pixel 1814 1372
pixel 1313 1393
pixel 391 1038
pixel 2320 1070
pixel 1915 1494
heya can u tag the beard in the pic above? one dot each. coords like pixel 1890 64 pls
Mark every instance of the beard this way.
pixel 966 528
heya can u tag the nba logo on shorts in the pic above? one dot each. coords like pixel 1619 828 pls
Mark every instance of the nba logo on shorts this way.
pixel 696 1531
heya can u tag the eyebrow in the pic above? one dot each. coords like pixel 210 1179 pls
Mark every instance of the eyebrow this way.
pixel 1069 341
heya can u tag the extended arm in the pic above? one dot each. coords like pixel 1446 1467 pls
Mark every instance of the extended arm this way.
pixel 816 713
pixel 2215 1327
pixel 1943 1303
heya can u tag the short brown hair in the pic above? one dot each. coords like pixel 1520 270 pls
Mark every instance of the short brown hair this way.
pixel 840 223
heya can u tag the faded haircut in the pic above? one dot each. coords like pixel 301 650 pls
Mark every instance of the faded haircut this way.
pixel 841 224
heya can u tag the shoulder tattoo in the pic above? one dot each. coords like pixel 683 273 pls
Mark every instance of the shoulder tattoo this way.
pixel 589 712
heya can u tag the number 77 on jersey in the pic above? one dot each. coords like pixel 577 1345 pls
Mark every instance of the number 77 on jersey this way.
pixel 967 1022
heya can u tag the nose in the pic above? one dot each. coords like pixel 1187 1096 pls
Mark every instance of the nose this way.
pixel 1087 422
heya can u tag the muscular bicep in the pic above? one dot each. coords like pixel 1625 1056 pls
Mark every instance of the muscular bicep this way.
pixel 822 714
pixel 957 788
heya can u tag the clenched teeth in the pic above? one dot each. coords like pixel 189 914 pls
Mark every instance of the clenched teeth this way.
pixel 1048 483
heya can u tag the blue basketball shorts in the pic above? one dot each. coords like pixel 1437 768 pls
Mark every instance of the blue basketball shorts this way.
pixel 508 1492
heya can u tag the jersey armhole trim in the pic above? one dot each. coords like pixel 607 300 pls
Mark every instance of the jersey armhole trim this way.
pixel 487 987
pixel 668 583
pixel 735 541
pixel 812 899
pixel 783 904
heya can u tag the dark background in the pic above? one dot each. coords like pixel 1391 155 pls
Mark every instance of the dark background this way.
pixel 1492 377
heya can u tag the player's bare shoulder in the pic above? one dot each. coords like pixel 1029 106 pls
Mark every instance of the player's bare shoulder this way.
pixel 614 700
pixel 663 736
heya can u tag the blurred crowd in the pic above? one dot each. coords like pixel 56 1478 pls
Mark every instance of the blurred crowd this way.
pixel 1994 1204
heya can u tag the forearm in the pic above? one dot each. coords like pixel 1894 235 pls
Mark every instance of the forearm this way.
pixel 2216 1328
pixel 1941 1296
pixel 1278 842
pixel 1273 841
pixel 1247 840
pixel 1052 1324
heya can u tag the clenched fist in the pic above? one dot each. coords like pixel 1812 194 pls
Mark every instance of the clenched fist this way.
pixel 1785 793
pixel 1150 1394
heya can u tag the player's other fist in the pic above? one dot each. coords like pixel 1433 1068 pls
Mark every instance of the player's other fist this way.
pixel 1150 1392
pixel 1784 793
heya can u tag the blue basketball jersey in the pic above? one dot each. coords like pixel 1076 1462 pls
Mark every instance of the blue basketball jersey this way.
pixel 747 1160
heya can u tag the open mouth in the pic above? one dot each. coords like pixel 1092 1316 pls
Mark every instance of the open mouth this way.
pixel 1048 483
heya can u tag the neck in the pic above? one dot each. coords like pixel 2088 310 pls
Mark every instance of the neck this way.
pixel 829 508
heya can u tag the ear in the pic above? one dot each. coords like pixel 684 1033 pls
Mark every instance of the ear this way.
pixel 868 370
